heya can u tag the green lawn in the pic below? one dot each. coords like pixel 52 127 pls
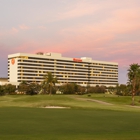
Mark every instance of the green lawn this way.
pixel 115 99
pixel 22 118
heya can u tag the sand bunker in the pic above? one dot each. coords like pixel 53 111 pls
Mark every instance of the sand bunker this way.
pixel 55 107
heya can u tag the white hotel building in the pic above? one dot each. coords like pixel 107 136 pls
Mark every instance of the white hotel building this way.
pixel 83 71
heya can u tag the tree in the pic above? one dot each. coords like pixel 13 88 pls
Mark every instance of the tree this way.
pixel 2 90
pixel 133 79
pixel 29 88
pixel 97 89
pixel 123 89
pixel 49 82
pixel 81 90
pixel 23 87
pixel 68 88
pixel 9 88
pixel 33 89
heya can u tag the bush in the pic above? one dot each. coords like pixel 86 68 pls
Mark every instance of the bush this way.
pixel 97 89
pixel 68 88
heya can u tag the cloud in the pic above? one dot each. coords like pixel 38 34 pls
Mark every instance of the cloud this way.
pixel 23 27
pixel 105 30
pixel 4 33
pixel 80 9
pixel 94 9
pixel 14 30
pixel 42 27
pixel 125 21
pixel 73 10
pixel 112 17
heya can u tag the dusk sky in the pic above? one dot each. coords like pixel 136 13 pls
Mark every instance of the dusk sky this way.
pixel 106 30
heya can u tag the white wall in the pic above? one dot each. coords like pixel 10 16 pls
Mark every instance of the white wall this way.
pixel 13 71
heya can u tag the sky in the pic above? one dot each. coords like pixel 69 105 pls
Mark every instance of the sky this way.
pixel 106 30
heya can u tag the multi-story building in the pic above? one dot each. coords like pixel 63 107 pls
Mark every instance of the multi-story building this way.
pixel 83 71
pixel 3 80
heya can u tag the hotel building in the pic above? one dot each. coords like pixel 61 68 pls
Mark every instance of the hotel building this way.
pixel 83 71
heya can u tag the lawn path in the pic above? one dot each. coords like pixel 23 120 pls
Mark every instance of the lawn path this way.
pixel 132 106
pixel 93 100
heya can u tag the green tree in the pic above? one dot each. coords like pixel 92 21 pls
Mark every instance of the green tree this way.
pixel 133 79
pixel 97 89
pixel 122 89
pixel 29 88
pixel 33 89
pixel 117 89
pixel 23 87
pixel 111 90
pixel 68 88
pixel 2 90
pixel 81 90
pixel 9 89
pixel 49 82
pixel 72 88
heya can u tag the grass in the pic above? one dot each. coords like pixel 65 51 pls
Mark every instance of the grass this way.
pixel 74 101
pixel 115 99
pixel 22 118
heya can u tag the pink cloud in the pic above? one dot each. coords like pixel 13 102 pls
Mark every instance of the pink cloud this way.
pixel 23 27
pixel 77 9
pixel 128 14
pixel 125 20
pixel 91 37
pixel 7 32
pixel 80 9
pixel 42 27
pixel 14 30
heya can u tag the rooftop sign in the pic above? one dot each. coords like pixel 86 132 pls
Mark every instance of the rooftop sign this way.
pixel 77 59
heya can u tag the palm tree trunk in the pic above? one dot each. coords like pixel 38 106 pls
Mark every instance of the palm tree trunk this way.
pixel 133 99
pixel 133 94
pixel 50 89
pixel 139 97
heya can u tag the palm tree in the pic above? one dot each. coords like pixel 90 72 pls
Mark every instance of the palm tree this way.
pixel 49 81
pixel 133 78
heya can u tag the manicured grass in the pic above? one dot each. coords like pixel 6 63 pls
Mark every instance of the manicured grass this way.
pixel 73 101
pixel 68 124
pixel 115 99
pixel 21 117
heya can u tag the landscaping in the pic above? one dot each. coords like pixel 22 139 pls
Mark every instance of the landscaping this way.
pixel 86 118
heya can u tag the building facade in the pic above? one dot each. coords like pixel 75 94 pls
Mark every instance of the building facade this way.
pixel 83 71
pixel 3 80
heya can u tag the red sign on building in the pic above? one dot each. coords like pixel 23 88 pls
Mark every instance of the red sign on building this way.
pixel 13 61
pixel 77 59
